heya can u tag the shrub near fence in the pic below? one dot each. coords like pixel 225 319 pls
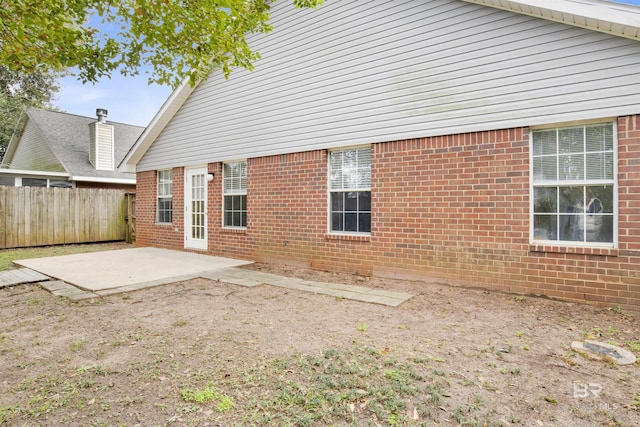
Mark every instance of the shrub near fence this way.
pixel 35 216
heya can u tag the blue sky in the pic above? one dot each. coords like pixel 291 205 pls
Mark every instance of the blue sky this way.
pixel 128 99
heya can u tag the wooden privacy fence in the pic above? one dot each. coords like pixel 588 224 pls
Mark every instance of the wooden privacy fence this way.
pixel 35 216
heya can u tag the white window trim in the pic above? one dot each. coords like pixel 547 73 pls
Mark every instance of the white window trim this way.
pixel 241 192
pixel 532 185
pixel 158 197
pixel 329 191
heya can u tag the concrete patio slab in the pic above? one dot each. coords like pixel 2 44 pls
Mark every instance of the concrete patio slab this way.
pixel 99 274
pixel 99 271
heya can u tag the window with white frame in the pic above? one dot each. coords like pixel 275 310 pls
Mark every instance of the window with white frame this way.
pixel 574 184
pixel 164 214
pixel 350 190
pixel 234 181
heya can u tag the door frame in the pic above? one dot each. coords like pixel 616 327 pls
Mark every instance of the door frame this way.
pixel 189 241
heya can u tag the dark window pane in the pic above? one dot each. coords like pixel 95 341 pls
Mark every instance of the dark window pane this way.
pixel 337 203
pixel 165 206
pixel 600 195
pixel 351 201
pixel 60 184
pixel 571 228
pixel 593 227
pixel 364 201
pixel 350 222
pixel 364 224
pixel 336 221
pixel 600 229
pixel 9 181
pixel 34 182
pixel 545 199
pixel 545 227
pixel 571 199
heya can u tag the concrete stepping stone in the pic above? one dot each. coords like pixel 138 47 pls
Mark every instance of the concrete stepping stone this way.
pixel 20 276
pixel 603 350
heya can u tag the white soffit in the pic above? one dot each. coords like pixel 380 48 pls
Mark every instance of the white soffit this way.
pixel 612 18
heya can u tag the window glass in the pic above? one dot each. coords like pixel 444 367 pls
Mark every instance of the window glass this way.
pixel 34 182
pixel 9 181
pixel 165 197
pixel 234 182
pixel 574 185
pixel 350 190
pixel 60 184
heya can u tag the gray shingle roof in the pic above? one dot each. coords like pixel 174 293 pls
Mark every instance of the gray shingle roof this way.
pixel 68 136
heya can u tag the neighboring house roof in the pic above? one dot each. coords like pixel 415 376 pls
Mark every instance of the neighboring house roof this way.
pixel 67 138
pixel 621 21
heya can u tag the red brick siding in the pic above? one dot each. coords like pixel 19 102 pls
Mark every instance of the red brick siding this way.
pixel 148 232
pixel 232 243
pixel 453 207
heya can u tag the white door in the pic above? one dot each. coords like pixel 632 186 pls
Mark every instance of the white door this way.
pixel 195 208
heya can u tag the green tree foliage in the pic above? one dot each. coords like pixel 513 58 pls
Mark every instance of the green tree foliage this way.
pixel 175 38
pixel 19 91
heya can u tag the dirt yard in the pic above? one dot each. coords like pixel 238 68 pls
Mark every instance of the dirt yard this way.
pixel 203 353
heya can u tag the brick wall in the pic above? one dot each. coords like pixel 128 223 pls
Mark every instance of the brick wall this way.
pixel 453 207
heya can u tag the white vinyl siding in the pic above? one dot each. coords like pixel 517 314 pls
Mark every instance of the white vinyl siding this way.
pixel 33 153
pixel 353 73
pixel 101 140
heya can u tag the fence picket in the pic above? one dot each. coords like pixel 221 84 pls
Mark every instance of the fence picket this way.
pixel 34 216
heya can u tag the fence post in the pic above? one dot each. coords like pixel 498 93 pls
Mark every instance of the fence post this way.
pixel 33 216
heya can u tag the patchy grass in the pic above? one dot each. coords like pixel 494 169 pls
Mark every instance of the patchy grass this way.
pixel 355 386
pixel 7 256
pixel 263 356
pixel 208 394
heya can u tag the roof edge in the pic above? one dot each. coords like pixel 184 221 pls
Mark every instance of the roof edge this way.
pixel 604 16
pixel 8 171
pixel 102 180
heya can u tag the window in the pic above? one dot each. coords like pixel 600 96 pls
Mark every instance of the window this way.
pixel 34 182
pixel 574 195
pixel 234 181
pixel 165 196
pixel 60 184
pixel 8 181
pixel 350 190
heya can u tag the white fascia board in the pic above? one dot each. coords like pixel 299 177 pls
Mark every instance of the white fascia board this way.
pixel 131 181
pixel 40 174
pixel 157 124
pixel 591 14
